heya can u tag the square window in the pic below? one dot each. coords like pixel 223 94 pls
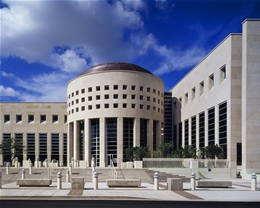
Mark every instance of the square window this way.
pixel 43 118
pixel 133 97
pixel 89 98
pixel 222 73
pixel 141 106
pixel 124 105
pixel 82 108
pixel 124 87
pixel 77 109
pixel 30 118
pixel 159 92
pixel 115 87
pixel 148 89
pixel 54 118
pixel 90 107
pixel 154 108
pixel 154 90
pixel 154 100
pixel 115 96
pixel 148 107
pixel 148 98
pixel 72 103
pixel 90 89
pixel 106 87
pixel 133 105
pixel 18 118
pixel 83 100
pixel 124 96
pixel 158 110
pixel 72 111
pixel 6 118
pixel 98 106
pixel 77 92
pixel 106 96
pixel 159 101
pixel 97 97
pixel 211 81
pixel 133 87
pixel 141 88
pixel 82 91
pixel 115 105
pixel 97 88
pixel 141 97
pixel 77 100
pixel 106 105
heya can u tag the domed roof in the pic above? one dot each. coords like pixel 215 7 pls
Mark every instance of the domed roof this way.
pixel 113 66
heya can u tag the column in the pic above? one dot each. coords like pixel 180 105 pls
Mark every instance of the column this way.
pixel 87 142
pixel 119 141
pixel 102 142
pixel 189 130
pixel 216 124
pixel 197 132
pixel 37 146
pixel 136 132
pixel 25 146
pixel 69 144
pixel 183 133
pixel 49 147
pixel 76 140
pixel 158 134
pixel 150 133
pixel 60 150
pixel 206 129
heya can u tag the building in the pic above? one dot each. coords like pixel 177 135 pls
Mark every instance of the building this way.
pixel 113 106
pixel 218 101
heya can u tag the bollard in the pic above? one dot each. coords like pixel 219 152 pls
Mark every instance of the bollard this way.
pixel 68 175
pixel 70 169
pixel 94 170
pixel 95 180
pixel 59 180
pixel 0 180
pixel 31 169
pixel 7 168
pixel 156 181
pixel 23 174
pixel 72 161
pixel 16 162
pixel 37 162
pixel 192 181
pixel 253 182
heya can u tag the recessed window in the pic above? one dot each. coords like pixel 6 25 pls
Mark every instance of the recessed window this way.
pixel 133 105
pixel 124 96
pixel 141 97
pixel 106 96
pixel 141 106
pixel 141 88
pixel 106 105
pixel 77 92
pixel 133 97
pixel 148 107
pixel 124 105
pixel 97 88
pixel 77 100
pixel 154 108
pixel 72 111
pixel 154 100
pixel 154 90
pixel 193 93
pixel 69 96
pixel 90 89
pixel 72 94
pixel 72 103
pixel 124 87
pixel 30 118
pixel 97 97
pixel 180 99
pixel 43 118
pixel 97 106
pixel 54 118
pixel 159 92
pixel 77 109
pixel 201 87
pixel 186 98
pixel 158 110
pixel 83 100
pixel 148 98
pixel 82 91
pixel 159 101
pixel 89 98
pixel 211 81
pixel 115 96
pixel 148 89
pixel 106 87
pixel 115 105
pixel 65 118
pixel 6 118
pixel 115 87
pixel 18 118
pixel 90 107
pixel 133 87
pixel 82 108
pixel 222 73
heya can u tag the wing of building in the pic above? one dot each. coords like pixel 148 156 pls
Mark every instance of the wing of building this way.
pixel 113 106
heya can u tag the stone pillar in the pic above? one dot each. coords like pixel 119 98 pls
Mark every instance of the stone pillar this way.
pixel 150 133
pixel 95 180
pixel 189 130
pixel 49 147
pixel 206 129
pixel 253 182
pixel 102 142
pixel 59 180
pixel 76 139
pixel 72 162
pixel 119 141
pixel 7 168
pixel 217 124
pixel 31 169
pixel 197 133
pixel 70 169
pixel 87 141
pixel 183 134
pixel 36 163
pixel 192 181
pixel 69 145
pixel 137 132
pixel 23 174
pixel 156 181
pixel 67 175
pixel 158 134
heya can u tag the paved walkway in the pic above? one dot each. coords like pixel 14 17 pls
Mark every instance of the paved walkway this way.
pixel 240 191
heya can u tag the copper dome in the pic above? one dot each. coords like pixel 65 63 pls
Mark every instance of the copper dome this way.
pixel 114 66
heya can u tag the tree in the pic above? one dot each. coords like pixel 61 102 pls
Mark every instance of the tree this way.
pixel 212 151
pixel 137 153
pixel 166 150
pixel 11 148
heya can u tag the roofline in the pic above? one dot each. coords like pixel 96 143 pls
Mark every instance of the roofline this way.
pixel 251 19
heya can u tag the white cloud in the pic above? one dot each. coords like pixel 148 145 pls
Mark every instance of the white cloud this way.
pixel 134 4
pixel 161 4
pixel 8 92
pixel 4 74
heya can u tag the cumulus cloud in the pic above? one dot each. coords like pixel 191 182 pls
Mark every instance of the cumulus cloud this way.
pixel 8 92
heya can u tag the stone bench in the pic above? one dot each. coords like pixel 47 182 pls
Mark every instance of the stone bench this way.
pixel 77 183
pixel 213 184
pixel 34 182
pixel 174 184
pixel 123 182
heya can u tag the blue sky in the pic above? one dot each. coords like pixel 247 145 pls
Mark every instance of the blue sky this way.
pixel 44 44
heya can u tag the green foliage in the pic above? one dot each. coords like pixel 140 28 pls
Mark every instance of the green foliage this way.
pixel 137 153
pixel 211 152
pixel 165 150
pixel 11 148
